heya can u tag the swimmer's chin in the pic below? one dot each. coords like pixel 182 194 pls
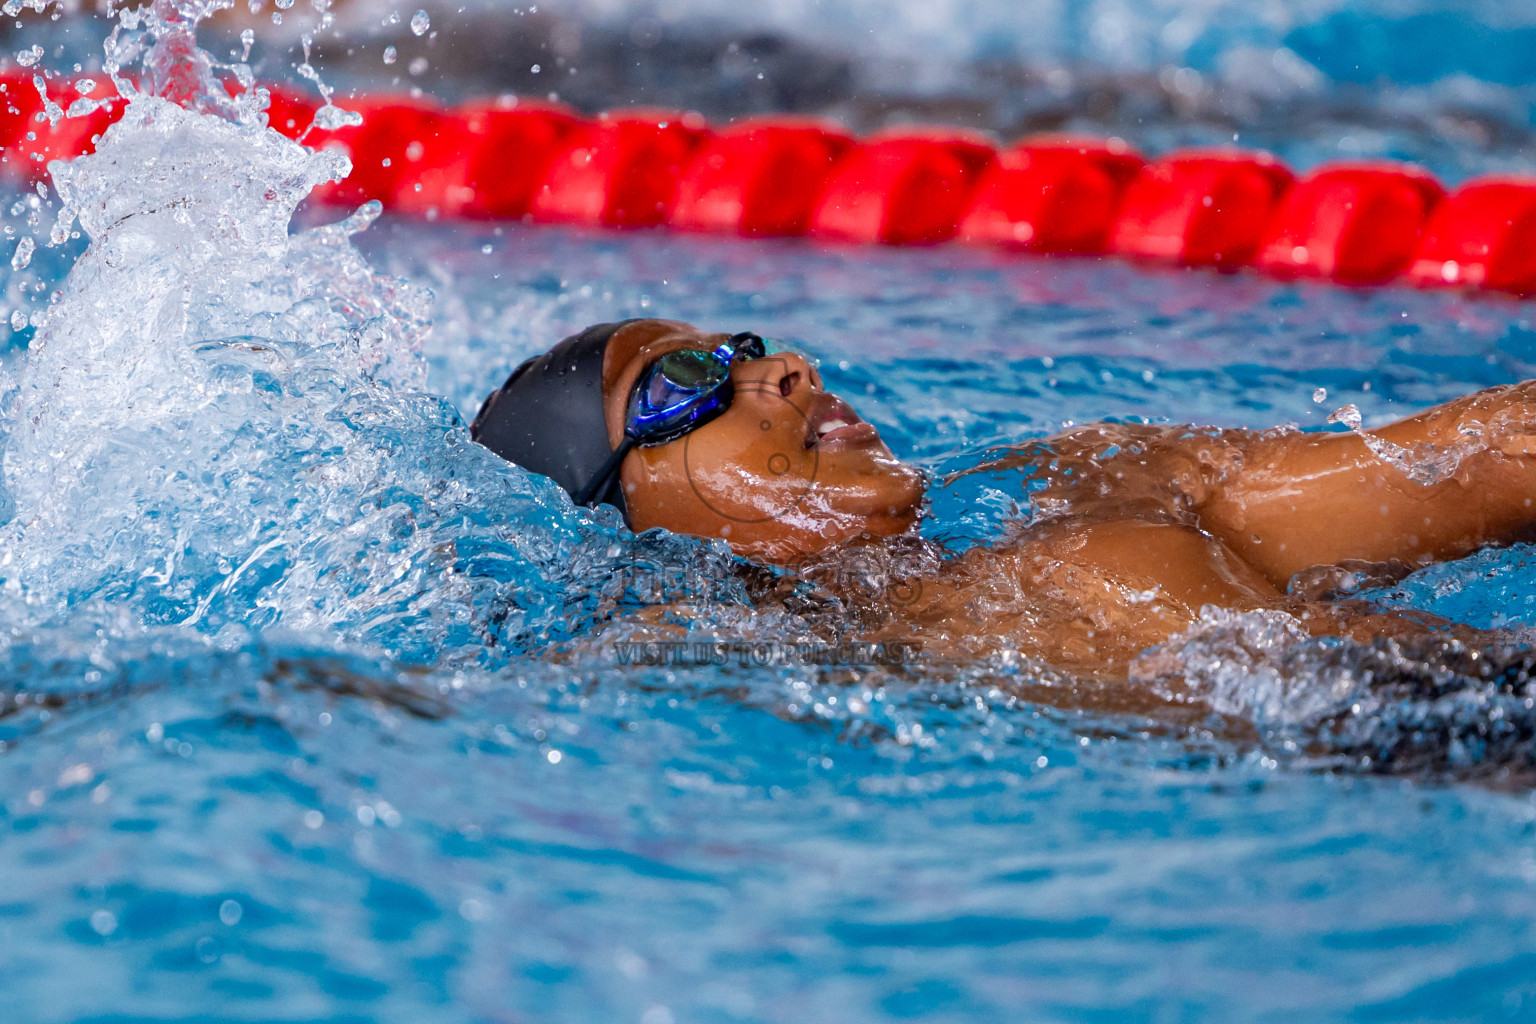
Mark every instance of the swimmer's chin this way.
pixel 788 547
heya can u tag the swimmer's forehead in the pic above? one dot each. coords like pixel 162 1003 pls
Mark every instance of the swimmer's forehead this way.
pixel 645 341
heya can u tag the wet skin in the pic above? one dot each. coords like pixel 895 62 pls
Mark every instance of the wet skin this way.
pixel 767 475
pixel 1139 528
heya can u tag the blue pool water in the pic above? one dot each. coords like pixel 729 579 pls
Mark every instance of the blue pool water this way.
pixel 280 826
pixel 302 717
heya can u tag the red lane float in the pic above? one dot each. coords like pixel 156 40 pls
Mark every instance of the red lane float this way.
pixel 1200 208
pixel 487 161
pixel 30 141
pixel 503 155
pixel 621 171
pixel 480 160
pixel 1356 223
pixel 399 138
pixel 289 113
pixel 1353 223
pixel 976 150
pixel 759 176
pixel 1482 236
pixel 1052 194
pixel 906 190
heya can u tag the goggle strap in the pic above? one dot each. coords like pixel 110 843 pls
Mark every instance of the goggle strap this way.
pixel 739 341
pixel 598 486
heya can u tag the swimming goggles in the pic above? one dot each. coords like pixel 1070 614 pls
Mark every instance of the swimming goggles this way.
pixel 677 394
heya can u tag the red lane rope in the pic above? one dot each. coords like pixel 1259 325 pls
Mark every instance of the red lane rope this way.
pixel 1355 223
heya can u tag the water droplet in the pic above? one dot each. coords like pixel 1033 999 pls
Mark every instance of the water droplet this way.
pixel 1349 415
pixel 420 23
pixel 27 58
pixel 23 255
pixel 418 66
pixel 390 55
pixel 230 912
pixel 1320 396
pixel 103 923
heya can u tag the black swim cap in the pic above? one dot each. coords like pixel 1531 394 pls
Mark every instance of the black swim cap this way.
pixel 548 416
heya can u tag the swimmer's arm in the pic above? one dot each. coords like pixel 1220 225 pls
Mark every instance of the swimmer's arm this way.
pixel 1181 563
pixel 1193 570
pixel 1292 501
pixel 1091 595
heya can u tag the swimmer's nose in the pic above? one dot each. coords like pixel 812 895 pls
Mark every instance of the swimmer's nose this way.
pixel 781 375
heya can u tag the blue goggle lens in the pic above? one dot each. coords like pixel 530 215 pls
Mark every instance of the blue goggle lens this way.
pixel 685 373
pixel 677 393
pixel 686 388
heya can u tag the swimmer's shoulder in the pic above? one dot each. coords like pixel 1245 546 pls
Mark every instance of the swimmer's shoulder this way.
pixel 1091 593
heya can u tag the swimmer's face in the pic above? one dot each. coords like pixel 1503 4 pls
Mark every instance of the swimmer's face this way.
pixel 787 470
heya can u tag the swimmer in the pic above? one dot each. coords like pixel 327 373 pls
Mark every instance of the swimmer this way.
pixel 1137 528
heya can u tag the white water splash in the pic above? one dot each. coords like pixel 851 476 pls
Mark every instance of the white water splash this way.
pixel 1423 464
pixel 22 257
pixel 1239 664
pixel 221 426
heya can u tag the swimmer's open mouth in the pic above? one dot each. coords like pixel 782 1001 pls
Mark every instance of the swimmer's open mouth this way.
pixel 831 422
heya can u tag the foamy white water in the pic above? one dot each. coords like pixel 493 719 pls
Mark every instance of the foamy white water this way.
pixel 223 477
pixel 221 425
